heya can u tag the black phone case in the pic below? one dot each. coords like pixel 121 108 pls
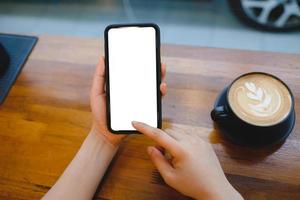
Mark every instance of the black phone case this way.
pixel 158 74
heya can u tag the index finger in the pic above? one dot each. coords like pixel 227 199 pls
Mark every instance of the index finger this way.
pixel 159 136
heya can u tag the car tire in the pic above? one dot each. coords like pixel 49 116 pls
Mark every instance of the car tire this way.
pixel 266 14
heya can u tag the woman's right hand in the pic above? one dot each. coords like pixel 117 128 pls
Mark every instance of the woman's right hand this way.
pixel 193 168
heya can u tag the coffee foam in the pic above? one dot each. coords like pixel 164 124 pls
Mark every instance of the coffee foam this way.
pixel 260 99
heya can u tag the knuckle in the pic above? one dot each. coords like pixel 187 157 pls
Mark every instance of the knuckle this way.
pixel 206 144
pixel 157 133
pixel 200 141
pixel 185 153
pixel 182 152
pixel 169 132
pixel 169 177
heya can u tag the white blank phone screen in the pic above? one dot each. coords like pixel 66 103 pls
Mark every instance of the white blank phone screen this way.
pixel 132 76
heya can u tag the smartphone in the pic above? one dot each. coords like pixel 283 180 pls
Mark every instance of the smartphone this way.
pixel 133 76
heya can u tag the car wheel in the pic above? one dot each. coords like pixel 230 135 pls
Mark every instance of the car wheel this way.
pixel 270 15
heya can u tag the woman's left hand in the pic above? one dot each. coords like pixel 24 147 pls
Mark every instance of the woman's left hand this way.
pixel 98 103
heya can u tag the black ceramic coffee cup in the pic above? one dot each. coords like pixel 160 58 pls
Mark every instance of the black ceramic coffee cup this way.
pixel 239 131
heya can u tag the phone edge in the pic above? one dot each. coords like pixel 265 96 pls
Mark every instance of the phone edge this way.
pixel 158 74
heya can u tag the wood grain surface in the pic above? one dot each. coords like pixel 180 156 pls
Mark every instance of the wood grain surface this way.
pixel 47 116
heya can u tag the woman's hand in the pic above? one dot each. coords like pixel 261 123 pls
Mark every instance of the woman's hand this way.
pixel 98 103
pixel 193 169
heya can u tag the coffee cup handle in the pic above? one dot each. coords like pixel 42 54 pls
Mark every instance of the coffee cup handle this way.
pixel 219 113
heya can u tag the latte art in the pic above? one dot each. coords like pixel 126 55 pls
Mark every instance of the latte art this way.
pixel 262 106
pixel 260 99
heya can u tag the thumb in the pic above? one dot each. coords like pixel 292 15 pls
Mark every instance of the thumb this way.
pixel 161 163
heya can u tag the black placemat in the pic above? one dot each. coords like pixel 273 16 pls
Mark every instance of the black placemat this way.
pixel 18 47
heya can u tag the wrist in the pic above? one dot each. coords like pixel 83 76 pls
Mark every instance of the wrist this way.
pixel 101 133
pixel 220 192
pixel 95 135
pixel 229 192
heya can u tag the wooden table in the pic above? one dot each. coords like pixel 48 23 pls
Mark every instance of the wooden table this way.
pixel 47 116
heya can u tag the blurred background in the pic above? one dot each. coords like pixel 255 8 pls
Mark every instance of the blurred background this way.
pixel 264 25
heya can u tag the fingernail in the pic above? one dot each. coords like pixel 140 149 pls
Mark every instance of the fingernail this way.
pixel 150 150
pixel 137 123
pixel 134 122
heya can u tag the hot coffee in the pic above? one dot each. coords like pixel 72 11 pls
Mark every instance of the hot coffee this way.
pixel 260 99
